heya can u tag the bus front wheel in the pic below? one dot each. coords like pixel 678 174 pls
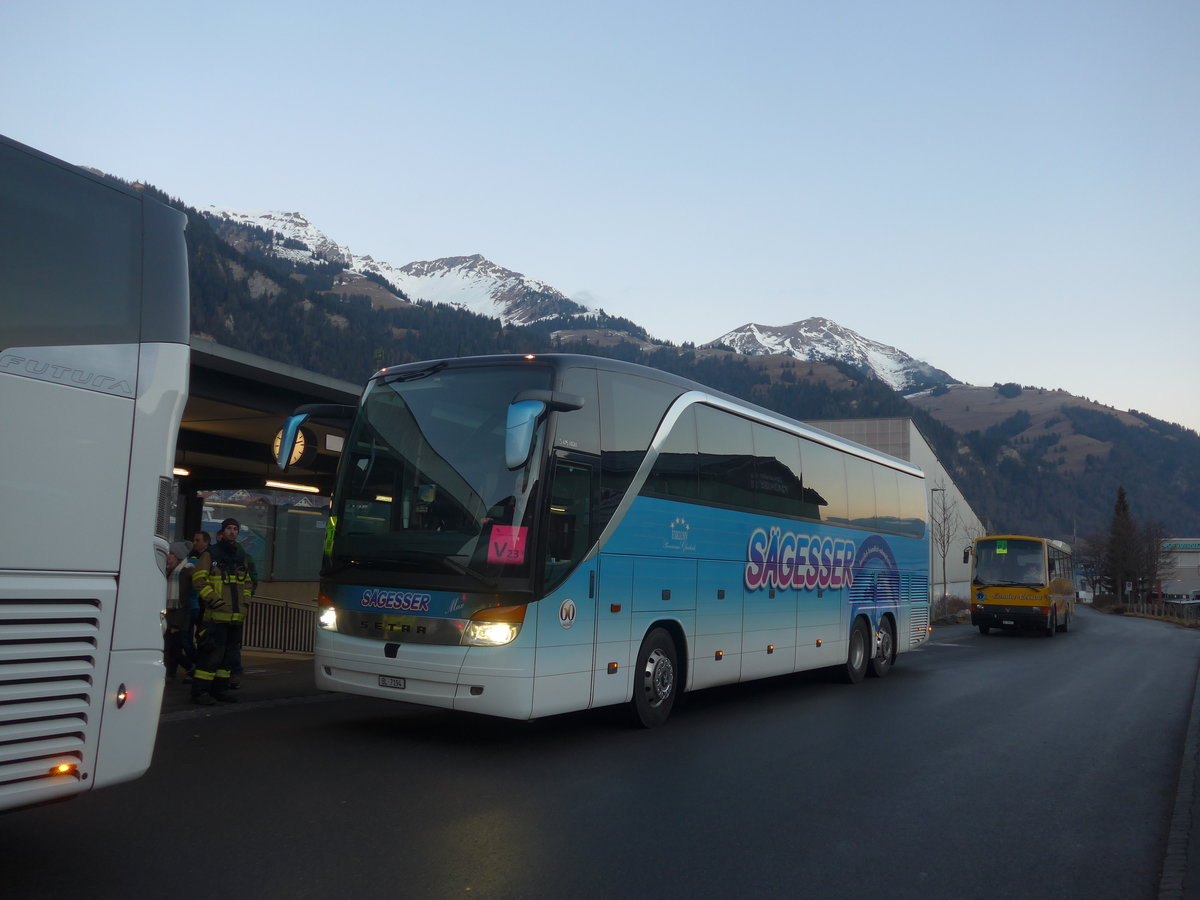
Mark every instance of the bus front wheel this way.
pixel 656 681
pixel 859 654
pixel 1052 623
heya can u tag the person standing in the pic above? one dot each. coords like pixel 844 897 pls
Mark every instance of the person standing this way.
pixel 176 650
pixel 224 592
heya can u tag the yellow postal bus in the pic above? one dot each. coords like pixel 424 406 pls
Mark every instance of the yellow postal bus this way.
pixel 1021 582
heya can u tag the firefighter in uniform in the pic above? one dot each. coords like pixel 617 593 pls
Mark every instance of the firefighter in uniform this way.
pixel 223 586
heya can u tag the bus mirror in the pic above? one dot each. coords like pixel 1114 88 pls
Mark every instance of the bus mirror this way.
pixel 966 555
pixel 555 400
pixel 519 430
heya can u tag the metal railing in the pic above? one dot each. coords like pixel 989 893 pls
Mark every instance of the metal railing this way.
pixel 1188 610
pixel 288 626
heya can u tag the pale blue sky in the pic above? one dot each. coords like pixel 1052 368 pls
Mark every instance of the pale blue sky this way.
pixel 1007 190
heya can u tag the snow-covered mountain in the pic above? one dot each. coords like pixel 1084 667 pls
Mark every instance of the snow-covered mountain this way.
pixel 468 282
pixel 475 283
pixel 818 338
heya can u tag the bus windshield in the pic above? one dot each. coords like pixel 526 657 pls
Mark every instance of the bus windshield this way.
pixel 1004 563
pixel 424 495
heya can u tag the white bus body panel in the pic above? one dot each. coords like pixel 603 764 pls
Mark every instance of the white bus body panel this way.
pixel 60 517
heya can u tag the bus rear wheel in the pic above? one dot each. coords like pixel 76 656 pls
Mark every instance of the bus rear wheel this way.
pixel 656 683
pixel 859 654
pixel 881 662
pixel 1066 622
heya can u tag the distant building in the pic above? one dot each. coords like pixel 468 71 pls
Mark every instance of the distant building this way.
pixel 901 437
pixel 1183 578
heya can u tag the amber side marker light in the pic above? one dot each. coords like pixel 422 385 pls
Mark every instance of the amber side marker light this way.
pixel 65 769
pixel 122 696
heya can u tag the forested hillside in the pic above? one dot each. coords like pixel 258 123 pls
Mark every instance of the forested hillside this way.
pixel 1009 471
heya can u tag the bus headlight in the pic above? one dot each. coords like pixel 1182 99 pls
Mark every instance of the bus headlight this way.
pixel 328 619
pixel 494 626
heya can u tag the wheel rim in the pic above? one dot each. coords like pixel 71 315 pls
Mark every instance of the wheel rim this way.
pixel 658 678
pixel 885 645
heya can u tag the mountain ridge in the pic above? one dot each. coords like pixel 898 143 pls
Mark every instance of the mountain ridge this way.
pixel 1020 467
pixel 819 338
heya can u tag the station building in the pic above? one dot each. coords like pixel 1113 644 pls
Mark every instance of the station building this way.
pixel 1182 580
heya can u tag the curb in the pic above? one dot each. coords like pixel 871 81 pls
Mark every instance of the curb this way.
pixel 1175 861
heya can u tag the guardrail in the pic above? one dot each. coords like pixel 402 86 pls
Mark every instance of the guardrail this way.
pixel 288 626
pixel 1188 610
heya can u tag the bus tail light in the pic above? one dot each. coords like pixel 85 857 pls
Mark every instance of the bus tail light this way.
pixel 494 626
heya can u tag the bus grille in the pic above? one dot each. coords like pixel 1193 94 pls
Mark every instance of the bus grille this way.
pixel 919 619
pixel 162 521
pixel 48 652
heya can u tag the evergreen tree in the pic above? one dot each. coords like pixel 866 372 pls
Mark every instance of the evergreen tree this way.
pixel 1121 563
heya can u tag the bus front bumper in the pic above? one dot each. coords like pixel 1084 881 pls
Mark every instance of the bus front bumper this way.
pixel 428 675
pixel 991 616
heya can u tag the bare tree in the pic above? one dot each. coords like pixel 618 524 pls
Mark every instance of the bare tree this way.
pixel 944 524
pixel 1092 555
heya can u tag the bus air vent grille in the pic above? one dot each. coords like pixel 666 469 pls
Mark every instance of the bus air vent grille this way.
pixel 919 619
pixel 48 651
pixel 162 522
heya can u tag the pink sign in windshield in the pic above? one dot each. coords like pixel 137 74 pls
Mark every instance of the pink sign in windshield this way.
pixel 506 546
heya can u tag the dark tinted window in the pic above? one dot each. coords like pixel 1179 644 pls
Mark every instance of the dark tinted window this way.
pixel 579 429
pixel 912 505
pixel 631 408
pixel 778 475
pixel 860 492
pixel 824 482
pixel 887 499
pixel 675 471
pixel 726 458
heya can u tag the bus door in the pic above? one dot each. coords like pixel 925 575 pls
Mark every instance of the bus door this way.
pixel 567 614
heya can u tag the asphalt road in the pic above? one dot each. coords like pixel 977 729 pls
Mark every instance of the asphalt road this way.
pixel 997 766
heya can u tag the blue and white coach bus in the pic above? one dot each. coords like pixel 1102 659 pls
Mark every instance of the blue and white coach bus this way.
pixel 529 535
pixel 93 380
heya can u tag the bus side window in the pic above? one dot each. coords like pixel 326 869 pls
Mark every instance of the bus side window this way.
pixel 824 483
pixel 860 487
pixel 674 472
pixel 726 458
pixel 777 471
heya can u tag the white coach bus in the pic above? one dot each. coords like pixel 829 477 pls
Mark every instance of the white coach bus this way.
pixel 93 380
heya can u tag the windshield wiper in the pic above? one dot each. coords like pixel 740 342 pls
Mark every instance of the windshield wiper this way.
pixel 413 376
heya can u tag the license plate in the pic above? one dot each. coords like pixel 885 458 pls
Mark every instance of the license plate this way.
pixel 1006 622
pixel 390 681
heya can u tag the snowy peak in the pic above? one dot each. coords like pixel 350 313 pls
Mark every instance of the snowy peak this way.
pixel 472 283
pixel 478 284
pixel 289 235
pixel 818 338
